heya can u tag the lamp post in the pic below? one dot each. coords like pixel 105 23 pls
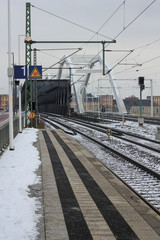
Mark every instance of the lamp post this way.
pixel 10 80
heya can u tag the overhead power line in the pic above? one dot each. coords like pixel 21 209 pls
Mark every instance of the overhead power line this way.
pixel 62 59
pixel 110 16
pixel 150 60
pixel 135 18
pixel 69 21
pixel 148 44
pixel 97 32
pixel 108 19
pixel 129 24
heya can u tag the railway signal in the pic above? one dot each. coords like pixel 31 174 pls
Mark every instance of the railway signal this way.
pixel 142 87
pixel 141 83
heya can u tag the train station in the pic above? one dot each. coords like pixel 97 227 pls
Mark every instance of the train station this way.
pixel 80 121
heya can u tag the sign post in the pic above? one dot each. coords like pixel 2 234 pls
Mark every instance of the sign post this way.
pixel 24 72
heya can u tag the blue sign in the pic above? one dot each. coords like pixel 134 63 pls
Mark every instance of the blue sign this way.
pixel 35 71
pixel 20 72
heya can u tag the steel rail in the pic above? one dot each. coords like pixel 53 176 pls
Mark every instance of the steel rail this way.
pixel 114 133
pixel 149 171
pixel 120 154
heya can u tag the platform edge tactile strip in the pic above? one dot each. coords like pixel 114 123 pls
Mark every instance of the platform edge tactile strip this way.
pixel 117 224
pixel 95 221
pixel 76 225
pixel 142 228
pixel 55 228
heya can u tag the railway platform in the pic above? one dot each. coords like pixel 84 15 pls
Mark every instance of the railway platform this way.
pixel 84 200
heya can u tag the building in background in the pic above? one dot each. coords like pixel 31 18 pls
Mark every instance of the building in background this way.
pixel 4 102
pixel 156 100
pixel 133 106
pixel 91 103
pixel 106 103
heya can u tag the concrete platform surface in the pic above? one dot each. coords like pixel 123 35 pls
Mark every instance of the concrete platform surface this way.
pixel 84 200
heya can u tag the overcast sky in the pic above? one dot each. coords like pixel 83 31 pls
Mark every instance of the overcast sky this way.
pixel 91 14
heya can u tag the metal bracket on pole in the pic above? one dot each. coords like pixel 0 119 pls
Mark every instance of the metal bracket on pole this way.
pixel 102 42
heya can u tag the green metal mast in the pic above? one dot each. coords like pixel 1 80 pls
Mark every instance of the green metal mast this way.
pixel 28 82
pixel 35 99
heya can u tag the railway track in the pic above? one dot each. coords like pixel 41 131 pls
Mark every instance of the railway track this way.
pixel 118 117
pixel 148 143
pixel 141 177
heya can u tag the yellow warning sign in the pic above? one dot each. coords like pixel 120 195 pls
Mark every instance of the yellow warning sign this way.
pixel 35 73
pixel 32 115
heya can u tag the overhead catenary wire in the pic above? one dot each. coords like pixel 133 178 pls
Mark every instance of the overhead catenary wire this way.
pixel 97 32
pixel 145 46
pixel 120 61
pixel 152 59
pixel 62 59
pixel 129 24
pixel 135 19
pixel 69 21
pixel 148 44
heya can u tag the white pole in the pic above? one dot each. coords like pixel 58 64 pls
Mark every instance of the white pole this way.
pixel 10 79
pixel 20 106
pixel 151 98
pixel 86 103
pixel 98 101
pixel 19 47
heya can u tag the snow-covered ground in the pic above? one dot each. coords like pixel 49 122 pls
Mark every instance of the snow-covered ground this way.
pixel 18 219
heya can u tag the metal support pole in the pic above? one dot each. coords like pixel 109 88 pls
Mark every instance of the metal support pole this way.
pixel 14 89
pixel 102 42
pixel 19 47
pixel 151 98
pixel 140 101
pixel 28 82
pixel 10 80
pixel 20 107
pixel 35 85
pixel 103 49
pixel 98 101
pixel 19 88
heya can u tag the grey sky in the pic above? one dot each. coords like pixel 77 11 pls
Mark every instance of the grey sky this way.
pixel 91 14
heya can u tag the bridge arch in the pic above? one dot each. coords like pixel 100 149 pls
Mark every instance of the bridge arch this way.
pixel 80 89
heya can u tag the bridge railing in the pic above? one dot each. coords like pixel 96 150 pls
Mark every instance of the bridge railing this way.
pixel 4 132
